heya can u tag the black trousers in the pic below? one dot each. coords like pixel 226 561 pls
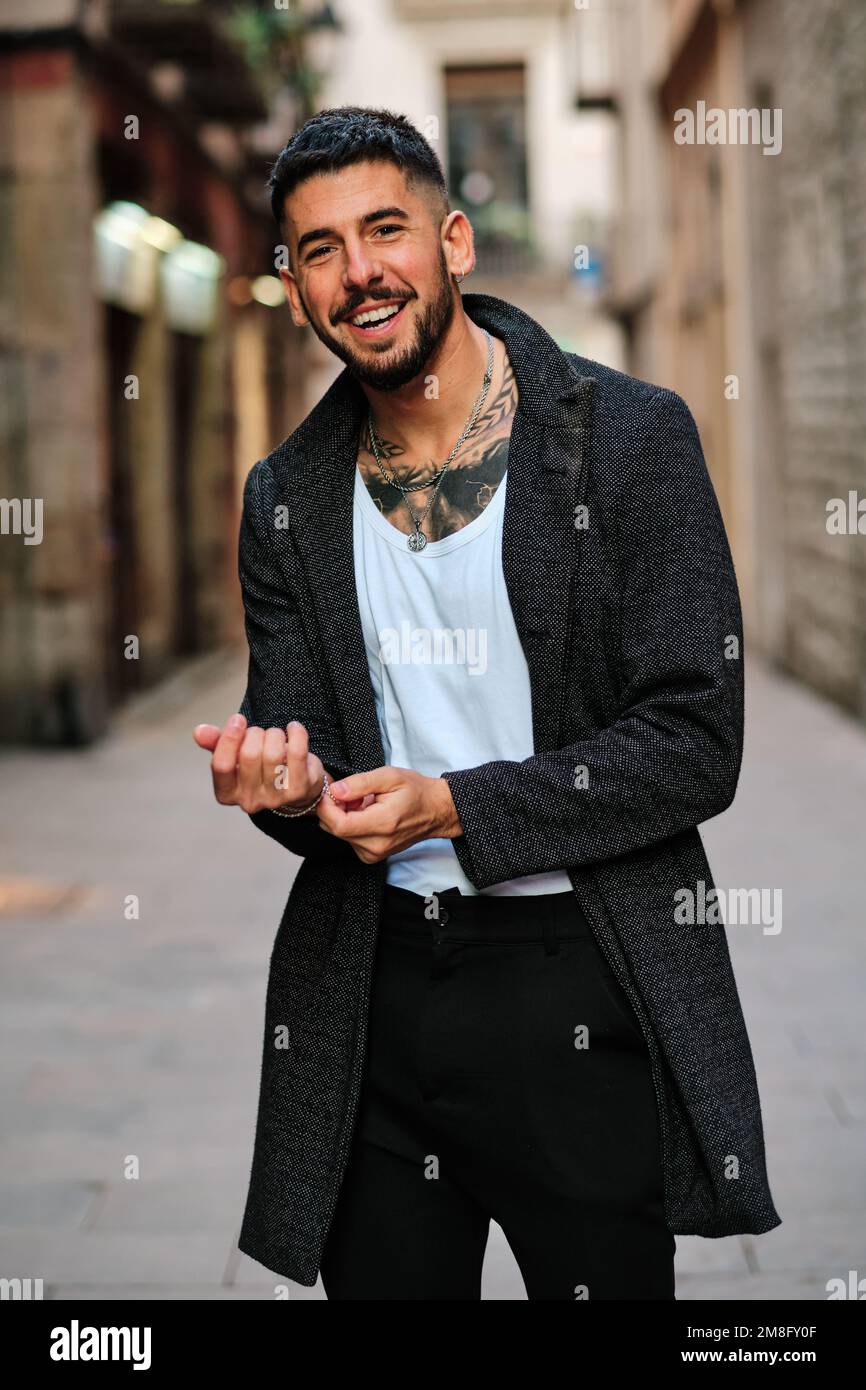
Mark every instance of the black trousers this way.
pixel 506 1076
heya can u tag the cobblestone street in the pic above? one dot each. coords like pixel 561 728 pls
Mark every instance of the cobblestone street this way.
pixel 142 1036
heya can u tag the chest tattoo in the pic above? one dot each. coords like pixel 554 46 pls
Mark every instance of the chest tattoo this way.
pixel 470 482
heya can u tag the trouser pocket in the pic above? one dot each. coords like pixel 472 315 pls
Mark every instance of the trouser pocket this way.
pixel 615 994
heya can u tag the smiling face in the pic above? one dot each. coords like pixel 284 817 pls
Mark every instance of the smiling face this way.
pixel 371 268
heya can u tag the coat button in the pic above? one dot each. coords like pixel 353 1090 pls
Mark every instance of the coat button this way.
pixel 443 916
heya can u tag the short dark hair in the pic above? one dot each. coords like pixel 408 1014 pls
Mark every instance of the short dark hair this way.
pixel 344 135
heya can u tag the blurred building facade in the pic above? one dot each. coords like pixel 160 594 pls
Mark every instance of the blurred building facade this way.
pixel 740 279
pixel 516 100
pixel 147 358
pixel 146 355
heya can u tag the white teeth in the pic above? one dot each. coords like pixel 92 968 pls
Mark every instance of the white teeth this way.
pixel 376 315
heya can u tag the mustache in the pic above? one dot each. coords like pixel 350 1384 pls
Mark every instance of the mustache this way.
pixel 364 298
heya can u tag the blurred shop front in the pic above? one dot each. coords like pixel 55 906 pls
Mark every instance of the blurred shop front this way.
pixel 147 358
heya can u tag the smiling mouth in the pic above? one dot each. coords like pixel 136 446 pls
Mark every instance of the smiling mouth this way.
pixel 377 322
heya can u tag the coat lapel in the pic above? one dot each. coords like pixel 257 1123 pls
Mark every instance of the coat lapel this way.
pixel 541 546
pixel 540 542
pixel 321 515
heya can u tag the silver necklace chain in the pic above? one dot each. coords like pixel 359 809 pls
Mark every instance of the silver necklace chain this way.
pixel 417 540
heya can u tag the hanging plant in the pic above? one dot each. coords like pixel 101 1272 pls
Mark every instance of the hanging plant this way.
pixel 272 42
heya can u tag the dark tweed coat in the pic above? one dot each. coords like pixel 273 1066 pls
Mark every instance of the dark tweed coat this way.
pixel 624 612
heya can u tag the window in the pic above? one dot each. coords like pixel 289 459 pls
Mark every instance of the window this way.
pixel 487 173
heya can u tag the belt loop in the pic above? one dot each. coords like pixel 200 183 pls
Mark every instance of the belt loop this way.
pixel 551 941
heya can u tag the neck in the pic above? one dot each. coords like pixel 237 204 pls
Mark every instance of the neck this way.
pixel 410 418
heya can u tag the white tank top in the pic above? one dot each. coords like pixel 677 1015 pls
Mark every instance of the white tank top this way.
pixel 448 671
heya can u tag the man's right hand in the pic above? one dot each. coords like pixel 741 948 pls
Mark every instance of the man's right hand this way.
pixel 246 762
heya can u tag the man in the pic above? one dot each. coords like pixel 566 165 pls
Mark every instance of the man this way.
pixel 483 998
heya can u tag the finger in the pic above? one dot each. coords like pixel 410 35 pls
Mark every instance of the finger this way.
pixel 297 748
pixel 250 766
pixel 359 783
pixel 206 736
pixel 375 819
pixel 326 813
pixel 305 770
pixel 332 815
pixel 225 759
pixel 274 776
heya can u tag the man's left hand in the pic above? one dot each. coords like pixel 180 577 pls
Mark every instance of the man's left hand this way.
pixel 406 807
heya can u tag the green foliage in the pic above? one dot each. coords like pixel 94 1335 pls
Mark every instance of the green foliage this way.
pixel 272 42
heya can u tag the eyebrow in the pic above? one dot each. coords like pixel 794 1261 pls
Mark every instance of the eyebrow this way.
pixel 369 217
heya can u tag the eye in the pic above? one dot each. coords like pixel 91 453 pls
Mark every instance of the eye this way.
pixel 319 251
pixel 392 227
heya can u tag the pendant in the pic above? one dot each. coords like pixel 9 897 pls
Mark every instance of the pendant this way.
pixel 417 540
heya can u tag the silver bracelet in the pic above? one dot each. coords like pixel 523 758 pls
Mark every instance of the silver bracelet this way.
pixel 304 810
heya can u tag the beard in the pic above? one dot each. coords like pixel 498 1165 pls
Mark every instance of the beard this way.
pixel 394 367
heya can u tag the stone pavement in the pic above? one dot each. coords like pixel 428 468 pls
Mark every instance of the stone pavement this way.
pixel 137 1039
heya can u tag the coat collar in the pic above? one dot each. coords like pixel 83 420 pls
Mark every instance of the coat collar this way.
pixel 543 372
pixel 540 541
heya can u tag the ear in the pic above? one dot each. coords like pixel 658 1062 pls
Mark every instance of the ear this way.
pixel 458 244
pixel 299 316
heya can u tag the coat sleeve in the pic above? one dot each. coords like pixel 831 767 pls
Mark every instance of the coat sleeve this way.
pixel 283 682
pixel 671 758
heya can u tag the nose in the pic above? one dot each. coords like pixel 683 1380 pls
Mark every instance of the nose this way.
pixel 361 268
